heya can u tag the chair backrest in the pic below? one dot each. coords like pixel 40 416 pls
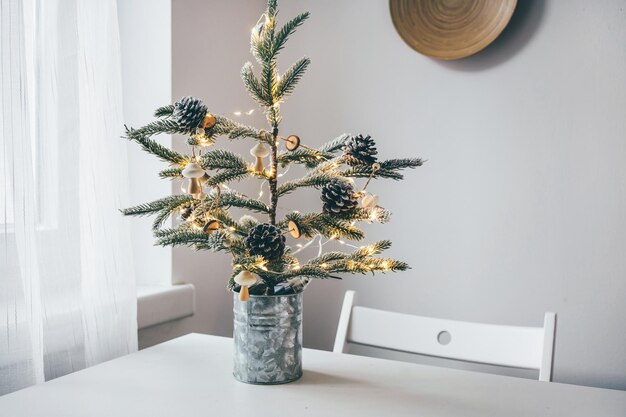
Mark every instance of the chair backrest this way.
pixel 512 346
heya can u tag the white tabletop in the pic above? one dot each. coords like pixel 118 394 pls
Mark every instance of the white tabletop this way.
pixel 191 376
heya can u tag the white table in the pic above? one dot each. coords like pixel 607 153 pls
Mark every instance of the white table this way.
pixel 191 376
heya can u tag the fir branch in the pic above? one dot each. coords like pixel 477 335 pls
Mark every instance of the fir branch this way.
pixel 246 223
pixel 333 227
pixel 217 205
pixel 262 47
pixel 315 158
pixel 249 263
pixel 225 219
pixel 365 171
pixel 373 249
pixel 268 54
pixel 254 87
pixel 273 116
pixel 388 169
pixel 171 173
pixel 183 237
pixel 290 78
pixel 378 214
pixel 367 265
pixel 240 131
pixel 166 126
pixel 160 218
pixel 302 220
pixel 314 180
pixel 165 231
pixel 220 240
pixel 359 261
pixel 335 144
pixel 310 271
pixel 234 130
pixel 329 257
pixel 262 39
pixel 222 159
pixel 186 235
pixel 152 207
pixel 163 208
pixel 258 46
pixel 305 156
pixel 227 175
pixel 205 140
pixel 269 80
pixel 233 199
pixel 396 164
pixel 237 246
pixel 216 241
pixel 272 8
pixel 328 166
pixel 231 283
pixel 151 146
pixel 288 29
pixel 326 225
pixel 164 111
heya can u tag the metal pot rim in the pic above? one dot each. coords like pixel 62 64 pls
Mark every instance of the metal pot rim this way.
pixel 273 295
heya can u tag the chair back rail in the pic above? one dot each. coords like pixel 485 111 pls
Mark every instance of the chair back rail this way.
pixel 512 346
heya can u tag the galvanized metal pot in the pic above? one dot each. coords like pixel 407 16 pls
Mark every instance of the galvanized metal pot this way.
pixel 268 339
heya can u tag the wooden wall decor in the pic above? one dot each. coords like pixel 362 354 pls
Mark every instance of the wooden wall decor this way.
pixel 450 29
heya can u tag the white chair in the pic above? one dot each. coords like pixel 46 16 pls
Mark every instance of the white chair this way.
pixel 512 346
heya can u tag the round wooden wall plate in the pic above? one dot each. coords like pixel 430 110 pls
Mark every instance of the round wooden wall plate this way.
pixel 450 29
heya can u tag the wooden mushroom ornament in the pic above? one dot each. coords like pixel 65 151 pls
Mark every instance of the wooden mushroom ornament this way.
pixel 194 172
pixel 245 279
pixel 259 151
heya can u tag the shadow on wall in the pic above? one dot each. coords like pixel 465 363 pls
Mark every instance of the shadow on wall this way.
pixel 520 30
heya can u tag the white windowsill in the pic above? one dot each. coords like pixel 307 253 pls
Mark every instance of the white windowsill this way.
pixel 160 304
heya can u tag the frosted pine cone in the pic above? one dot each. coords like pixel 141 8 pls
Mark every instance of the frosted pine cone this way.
pixel 189 113
pixel 266 240
pixel 360 150
pixel 339 197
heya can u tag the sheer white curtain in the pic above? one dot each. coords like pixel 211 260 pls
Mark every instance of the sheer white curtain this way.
pixel 67 292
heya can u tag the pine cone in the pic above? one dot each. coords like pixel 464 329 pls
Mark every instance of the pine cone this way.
pixel 359 150
pixel 339 197
pixel 189 112
pixel 267 241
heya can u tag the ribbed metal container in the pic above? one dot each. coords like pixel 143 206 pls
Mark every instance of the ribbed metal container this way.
pixel 268 339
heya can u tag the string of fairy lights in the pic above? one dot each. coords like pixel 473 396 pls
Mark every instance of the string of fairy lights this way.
pixel 257 169
pixel 259 249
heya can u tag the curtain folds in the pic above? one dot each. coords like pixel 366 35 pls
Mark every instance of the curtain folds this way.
pixel 67 291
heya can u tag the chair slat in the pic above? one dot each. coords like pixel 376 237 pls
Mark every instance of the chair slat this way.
pixel 513 346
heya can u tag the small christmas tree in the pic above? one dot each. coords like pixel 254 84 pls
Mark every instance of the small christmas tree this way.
pixel 262 257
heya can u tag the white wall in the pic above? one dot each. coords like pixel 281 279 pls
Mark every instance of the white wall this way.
pixel 146 41
pixel 520 208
